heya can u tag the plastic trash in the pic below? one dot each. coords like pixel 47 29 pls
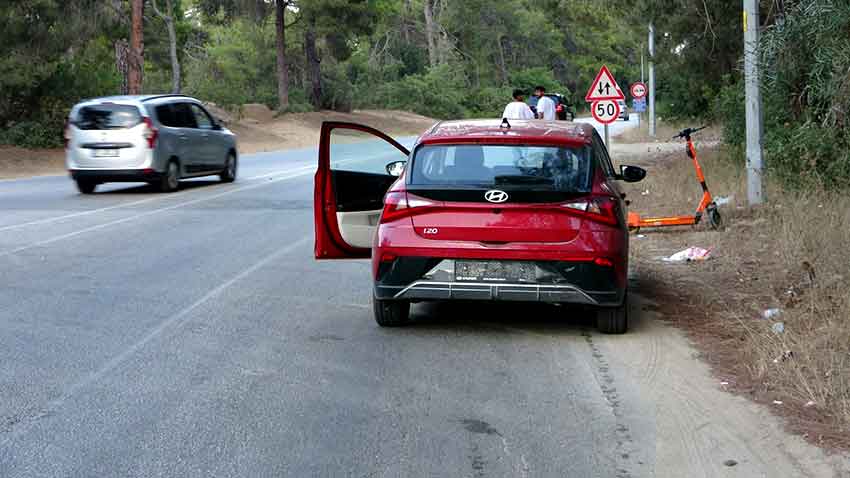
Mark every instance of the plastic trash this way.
pixel 777 402
pixel 691 254
pixel 730 462
pixel 785 356
pixel 723 200
pixel 810 403
pixel 641 236
pixel 778 327
pixel 645 192
pixel 771 313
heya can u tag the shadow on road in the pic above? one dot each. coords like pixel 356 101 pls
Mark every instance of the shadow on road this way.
pixel 141 188
pixel 520 317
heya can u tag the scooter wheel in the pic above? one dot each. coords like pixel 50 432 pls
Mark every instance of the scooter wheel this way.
pixel 714 219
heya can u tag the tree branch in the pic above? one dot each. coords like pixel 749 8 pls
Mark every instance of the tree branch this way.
pixel 159 13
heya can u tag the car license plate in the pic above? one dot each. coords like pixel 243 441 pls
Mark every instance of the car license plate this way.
pixel 106 153
pixel 495 271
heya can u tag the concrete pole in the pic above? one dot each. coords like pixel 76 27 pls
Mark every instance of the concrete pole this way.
pixel 651 101
pixel 641 80
pixel 753 102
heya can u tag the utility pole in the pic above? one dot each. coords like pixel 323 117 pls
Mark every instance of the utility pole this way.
pixel 753 102
pixel 651 80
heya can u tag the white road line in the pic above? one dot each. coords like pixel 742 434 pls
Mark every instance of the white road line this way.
pixel 157 211
pixel 128 204
pixel 175 320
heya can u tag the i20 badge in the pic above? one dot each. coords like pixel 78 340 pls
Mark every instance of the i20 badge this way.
pixel 496 195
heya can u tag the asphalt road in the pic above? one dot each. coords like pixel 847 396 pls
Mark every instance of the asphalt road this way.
pixel 193 334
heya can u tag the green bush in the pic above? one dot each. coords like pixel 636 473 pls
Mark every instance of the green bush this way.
pixel 238 67
pixel 33 134
pixel 439 93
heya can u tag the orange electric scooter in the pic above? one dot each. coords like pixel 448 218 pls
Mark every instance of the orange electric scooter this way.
pixel 706 205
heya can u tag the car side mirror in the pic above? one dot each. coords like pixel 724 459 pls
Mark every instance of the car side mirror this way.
pixel 632 174
pixel 396 168
pixel 217 127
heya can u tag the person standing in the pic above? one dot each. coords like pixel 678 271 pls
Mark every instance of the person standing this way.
pixel 517 109
pixel 545 105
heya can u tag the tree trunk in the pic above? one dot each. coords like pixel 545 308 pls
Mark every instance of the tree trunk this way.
pixel 172 42
pixel 282 66
pixel 430 33
pixel 314 68
pixel 136 58
pixel 503 69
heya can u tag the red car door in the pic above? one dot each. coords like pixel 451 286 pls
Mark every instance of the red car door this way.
pixel 349 188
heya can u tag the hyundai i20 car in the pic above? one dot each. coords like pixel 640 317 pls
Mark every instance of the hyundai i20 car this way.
pixel 483 210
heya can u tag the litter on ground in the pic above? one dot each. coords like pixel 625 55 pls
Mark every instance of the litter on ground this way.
pixel 771 313
pixel 691 254
pixel 778 327
pixel 723 200
pixel 785 356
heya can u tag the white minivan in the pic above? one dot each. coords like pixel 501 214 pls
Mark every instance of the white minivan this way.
pixel 158 139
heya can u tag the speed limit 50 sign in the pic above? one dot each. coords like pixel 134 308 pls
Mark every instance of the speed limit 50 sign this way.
pixel 606 111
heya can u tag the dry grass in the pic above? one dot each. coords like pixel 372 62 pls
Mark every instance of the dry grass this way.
pixel 790 254
pixel 663 132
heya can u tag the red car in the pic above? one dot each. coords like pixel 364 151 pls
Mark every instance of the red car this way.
pixel 479 210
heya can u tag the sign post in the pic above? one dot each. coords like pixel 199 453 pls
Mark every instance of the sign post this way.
pixel 638 91
pixel 603 95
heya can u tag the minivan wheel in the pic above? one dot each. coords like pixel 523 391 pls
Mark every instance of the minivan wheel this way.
pixel 391 313
pixel 231 166
pixel 614 320
pixel 170 180
pixel 86 187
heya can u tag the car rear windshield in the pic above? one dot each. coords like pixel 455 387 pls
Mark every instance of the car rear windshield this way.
pixel 509 167
pixel 107 116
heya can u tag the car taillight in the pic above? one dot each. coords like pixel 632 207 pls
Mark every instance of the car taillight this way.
pixel 559 108
pixel 602 209
pixel 150 133
pixel 399 204
pixel 66 134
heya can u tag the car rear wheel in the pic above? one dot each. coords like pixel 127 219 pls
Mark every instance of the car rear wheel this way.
pixel 391 313
pixel 86 187
pixel 614 320
pixel 170 180
pixel 228 175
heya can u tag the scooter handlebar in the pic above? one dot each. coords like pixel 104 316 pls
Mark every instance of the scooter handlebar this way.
pixel 687 132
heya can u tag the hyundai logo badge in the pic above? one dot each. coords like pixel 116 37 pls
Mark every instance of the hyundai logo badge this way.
pixel 496 195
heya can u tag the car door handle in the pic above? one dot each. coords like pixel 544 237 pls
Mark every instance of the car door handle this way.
pixel 183 137
pixel 205 135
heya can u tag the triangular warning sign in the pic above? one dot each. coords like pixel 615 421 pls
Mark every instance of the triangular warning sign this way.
pixel 604 87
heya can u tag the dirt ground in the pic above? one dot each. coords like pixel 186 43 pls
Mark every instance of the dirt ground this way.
pixel 786 256
pixel 289 131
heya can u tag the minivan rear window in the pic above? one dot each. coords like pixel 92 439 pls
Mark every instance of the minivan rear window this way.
pixel 107 116
pixel 509 167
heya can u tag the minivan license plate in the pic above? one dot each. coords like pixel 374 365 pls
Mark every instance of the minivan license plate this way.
pixel 105 153
pixel 495 271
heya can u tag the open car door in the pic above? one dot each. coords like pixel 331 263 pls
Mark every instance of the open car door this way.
pixel 349 188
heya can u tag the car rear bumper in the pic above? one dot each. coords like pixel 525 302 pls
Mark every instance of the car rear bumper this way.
pixel 571 282
pixel 115 175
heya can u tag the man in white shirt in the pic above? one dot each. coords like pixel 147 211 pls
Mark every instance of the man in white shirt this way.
pixel 517 109
pixel 545 105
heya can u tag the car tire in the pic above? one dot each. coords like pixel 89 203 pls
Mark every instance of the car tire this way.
pixel 86 187
pixel 170 180
pixel 231 167
pixel 614 320
pixel 391 313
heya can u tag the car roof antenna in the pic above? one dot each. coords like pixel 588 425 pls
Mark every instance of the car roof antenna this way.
pixel 505 124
